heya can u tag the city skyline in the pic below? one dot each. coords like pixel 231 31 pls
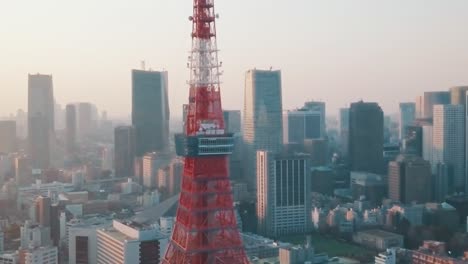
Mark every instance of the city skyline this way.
pixel 386 52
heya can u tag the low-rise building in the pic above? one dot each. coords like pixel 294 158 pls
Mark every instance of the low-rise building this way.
pixel 378 239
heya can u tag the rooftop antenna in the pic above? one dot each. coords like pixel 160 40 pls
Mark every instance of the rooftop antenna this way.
pixel 143 65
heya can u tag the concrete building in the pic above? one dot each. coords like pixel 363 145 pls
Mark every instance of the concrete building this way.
pixel 40 119
pixel 378 239
pixel 369 185
pixel 152 162
pixel 8 142
pixel 344 129
pixel 448 138
pixel 39 255
pixel 366 137
pixel 70 129
pixel 406 117
pixel 82 239
pixel 388 257
pixel 296 255
pixel 23 171
pixel 232 121
pixel 317 106
pixel 410 180
pixel 302 124
pixel 433 252
pixel 9 258
pixel 129 242
pixel 124 151
pixel 150 111
pixel 263 128
pixel 260 247
pixel 283 194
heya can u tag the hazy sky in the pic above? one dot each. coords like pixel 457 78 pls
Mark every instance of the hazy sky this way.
pixel 338 51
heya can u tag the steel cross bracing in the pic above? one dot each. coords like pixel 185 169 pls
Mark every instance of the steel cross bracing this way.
pixel 205 230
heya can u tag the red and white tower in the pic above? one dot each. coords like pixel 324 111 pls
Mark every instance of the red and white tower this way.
pixel 206 228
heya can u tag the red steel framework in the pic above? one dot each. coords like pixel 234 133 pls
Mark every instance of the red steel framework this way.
pixel 205 230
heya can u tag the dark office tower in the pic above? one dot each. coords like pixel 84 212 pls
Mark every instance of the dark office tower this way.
pixel 318 151
pixel 366 137
pixel 40 119
pixel 124 151
pixel 232 121
pixel 344 129
pixel 43 206
pixel 413 140
pixel 263 126
pixel 302 124
pixel 433 98
pixel 71 130
pixel 318 107
pixel 407 116
pixel 150 111
pixel 409 179
pixel 8 137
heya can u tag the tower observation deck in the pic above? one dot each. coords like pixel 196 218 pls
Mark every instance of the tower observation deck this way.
pixel 205 230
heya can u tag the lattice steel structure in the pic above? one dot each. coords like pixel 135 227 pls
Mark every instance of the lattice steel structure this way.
pixel 206 228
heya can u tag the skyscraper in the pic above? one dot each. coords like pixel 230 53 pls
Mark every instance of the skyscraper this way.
pixel 70 134
pixel 124 151
pixel 302 124
pixel 458 95
pixel 366 137
pixel 283 194
pixel 430 99
pixel 263 128
pixel 317 106
pixel 150 111
pixel 40 119
pixel 8 142
pixel 232 121
pixel 344 129
pixel 43 206
pixel 409 179
pixel 407 116
pixel 448 138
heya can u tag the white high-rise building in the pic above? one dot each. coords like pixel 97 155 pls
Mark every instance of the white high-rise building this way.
pixel 448 138
pixel 263 128
pixel 128 242
pixel 407 116
pixel 283 196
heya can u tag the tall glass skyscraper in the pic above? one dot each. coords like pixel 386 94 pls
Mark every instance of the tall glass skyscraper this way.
pixel 150 111
pixel 448 137
pixel 40 119
pixel 263 128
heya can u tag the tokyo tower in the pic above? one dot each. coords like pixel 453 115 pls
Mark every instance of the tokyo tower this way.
pixel 205 230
